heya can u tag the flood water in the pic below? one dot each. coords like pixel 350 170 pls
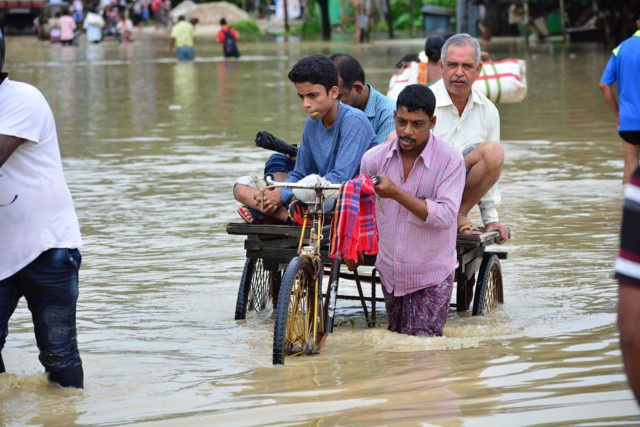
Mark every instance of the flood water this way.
pixel 151 149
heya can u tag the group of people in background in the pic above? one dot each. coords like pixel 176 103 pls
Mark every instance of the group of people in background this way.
pixel 118 18
pixel 106 18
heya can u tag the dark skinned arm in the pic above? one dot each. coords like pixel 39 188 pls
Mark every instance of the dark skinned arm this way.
pixel 8 144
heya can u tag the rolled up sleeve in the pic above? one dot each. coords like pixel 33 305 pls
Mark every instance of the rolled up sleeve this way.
pixel 443 211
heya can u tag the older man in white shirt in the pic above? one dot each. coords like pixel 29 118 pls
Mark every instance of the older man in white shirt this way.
pixel 470 122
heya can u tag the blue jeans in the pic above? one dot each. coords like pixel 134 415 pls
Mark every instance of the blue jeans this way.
pixel 185 53
pixel 278 162
pixel 50 286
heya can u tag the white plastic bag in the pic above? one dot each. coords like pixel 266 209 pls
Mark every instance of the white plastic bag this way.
pixel 309 196
pixel 502 82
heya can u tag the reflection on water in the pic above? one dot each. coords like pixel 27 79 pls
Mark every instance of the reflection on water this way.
pixel 151 148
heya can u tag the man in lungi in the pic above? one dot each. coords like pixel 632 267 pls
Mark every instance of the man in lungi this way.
pixel 422 179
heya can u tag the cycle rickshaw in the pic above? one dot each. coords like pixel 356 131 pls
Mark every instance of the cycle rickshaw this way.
pixel 285 265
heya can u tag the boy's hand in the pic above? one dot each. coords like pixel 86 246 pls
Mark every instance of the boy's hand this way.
pixel 269 200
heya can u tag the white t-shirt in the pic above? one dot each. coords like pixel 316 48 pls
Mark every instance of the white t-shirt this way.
pixel 479 122
pixel 42 216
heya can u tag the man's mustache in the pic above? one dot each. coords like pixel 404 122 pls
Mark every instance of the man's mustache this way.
pixel 407 139
pixel 458 80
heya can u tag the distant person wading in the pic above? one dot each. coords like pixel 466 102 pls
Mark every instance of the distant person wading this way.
pixel 227 36
pixel 182 38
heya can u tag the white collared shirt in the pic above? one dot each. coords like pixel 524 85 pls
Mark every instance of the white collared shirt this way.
pixel 478 123
pixel 38 214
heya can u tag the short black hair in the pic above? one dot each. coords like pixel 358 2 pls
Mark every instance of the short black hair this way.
pixel 349 69
pixel 315 69
pixel 417 97
pixel 433 47
pixel 223 21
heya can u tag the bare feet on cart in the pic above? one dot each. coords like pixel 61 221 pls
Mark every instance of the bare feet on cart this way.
pixel 465 226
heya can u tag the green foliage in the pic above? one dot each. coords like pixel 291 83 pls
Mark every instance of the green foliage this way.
pixel 247 29
pixel 310 26
pixel 451 4
pixel 382 26
pixel 403 22
pixel 401 12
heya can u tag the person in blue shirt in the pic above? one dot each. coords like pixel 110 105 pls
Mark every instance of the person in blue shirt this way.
pixel 623 68
pixel 334 139
pixel 358 94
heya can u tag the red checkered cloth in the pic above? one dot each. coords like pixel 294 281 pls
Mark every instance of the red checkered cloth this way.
pixel 354 228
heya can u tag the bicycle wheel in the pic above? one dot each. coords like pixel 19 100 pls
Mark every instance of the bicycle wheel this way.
pixel 488 292
pixel 299 321
pixel 255 291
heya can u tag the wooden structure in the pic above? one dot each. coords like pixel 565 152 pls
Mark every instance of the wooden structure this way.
pixel 269 248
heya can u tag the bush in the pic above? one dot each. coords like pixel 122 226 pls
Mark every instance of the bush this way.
pixel 311 26
pixel 247 29
pixel 401 10
pixel 451 4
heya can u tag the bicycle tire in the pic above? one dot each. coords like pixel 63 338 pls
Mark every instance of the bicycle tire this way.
pixel 255 290
pixel 488 293
pixel 298 313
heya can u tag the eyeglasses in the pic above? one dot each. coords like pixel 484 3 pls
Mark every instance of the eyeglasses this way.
pixel 7 204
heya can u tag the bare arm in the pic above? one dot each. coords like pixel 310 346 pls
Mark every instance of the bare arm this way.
pixel 628 318
pixel 8 144
pixel 607 94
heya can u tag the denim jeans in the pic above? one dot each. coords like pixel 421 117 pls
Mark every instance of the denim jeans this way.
pixel 185 53
pixel 50 286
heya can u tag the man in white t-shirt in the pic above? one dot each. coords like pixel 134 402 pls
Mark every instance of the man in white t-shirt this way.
pixel 40 236
pixel 469 121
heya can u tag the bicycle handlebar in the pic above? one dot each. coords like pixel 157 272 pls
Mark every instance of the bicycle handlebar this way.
pixel 310 186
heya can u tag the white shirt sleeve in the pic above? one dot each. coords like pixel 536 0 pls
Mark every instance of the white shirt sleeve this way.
pixel 488 204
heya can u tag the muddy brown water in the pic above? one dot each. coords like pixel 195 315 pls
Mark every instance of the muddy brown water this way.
pixel 151 149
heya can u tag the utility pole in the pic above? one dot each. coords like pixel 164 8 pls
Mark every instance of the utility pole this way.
pixel 565 38
pixel 286 16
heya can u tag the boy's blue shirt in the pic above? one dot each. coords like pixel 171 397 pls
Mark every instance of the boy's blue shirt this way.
pixel 333 153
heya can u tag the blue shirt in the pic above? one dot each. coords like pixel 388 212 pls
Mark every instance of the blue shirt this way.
pixel 624 67
pixel 379 111
pixel 333 153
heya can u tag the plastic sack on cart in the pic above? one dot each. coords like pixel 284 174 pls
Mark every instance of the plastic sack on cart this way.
pixel 502 81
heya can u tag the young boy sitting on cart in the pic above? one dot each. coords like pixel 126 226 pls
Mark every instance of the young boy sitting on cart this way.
pixel 334 139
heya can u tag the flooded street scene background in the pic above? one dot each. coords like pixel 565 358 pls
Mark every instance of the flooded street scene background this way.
pixel 151 149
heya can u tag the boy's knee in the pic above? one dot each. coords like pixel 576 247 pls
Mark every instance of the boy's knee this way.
pixel 244 182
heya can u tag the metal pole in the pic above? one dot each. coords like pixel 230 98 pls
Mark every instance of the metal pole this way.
pixel 286 16
pixel 564 29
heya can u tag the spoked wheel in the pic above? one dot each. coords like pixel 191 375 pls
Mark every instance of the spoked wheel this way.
pixel 256 288
pixel 489 286
pixel 299 322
